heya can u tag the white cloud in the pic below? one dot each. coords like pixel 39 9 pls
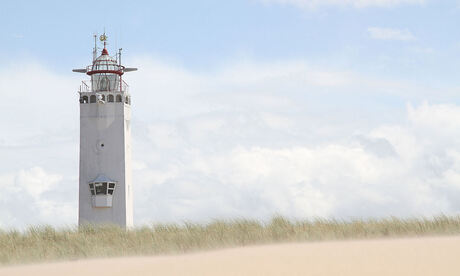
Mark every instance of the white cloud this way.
pixel 390 34
pixel 391 170
pixel 36 181
pixel 32 196
pixel 442 117
pixel 309 4
pixel 248 140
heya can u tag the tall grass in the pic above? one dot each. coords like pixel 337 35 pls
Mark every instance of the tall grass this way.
pixel 45 243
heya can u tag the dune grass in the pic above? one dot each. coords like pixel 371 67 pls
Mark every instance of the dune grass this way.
pixel 45 243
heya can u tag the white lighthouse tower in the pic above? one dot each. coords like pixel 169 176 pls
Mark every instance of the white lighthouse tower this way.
pixel 105 189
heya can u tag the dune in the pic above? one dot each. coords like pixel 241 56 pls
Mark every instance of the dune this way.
pixel 409 256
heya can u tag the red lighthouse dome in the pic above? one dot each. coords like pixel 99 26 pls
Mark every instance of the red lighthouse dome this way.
pixel 105 64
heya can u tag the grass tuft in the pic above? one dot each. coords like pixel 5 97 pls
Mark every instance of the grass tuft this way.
pixel 45 243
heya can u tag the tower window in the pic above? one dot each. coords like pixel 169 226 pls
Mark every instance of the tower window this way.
pixel 92 99
pixel 85 99
pixel 119 98
pixel 102 188
pixel 111 188
pixel 91 187
pixel 110 98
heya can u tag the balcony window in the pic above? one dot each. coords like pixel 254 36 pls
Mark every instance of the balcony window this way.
pixel 102 189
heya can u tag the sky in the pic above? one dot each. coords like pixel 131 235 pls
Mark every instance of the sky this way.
pixel 241 109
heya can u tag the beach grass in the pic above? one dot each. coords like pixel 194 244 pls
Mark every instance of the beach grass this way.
pixel 45 243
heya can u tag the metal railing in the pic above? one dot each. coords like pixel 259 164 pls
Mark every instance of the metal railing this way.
pixel 86 87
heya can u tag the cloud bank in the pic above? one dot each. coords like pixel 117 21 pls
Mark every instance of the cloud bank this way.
pixel 246 140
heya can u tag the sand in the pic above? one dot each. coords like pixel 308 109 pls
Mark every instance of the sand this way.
pixel 416 256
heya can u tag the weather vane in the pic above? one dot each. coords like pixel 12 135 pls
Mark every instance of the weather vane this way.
pixel 103 37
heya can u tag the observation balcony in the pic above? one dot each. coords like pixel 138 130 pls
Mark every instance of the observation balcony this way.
pixel 108 86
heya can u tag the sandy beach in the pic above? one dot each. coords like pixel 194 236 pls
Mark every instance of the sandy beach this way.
pixel 412 256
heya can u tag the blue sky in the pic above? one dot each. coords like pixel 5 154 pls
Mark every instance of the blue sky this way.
pixel 204 34
pixel 250 108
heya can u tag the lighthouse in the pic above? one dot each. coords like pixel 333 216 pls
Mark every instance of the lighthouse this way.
pixel 105 185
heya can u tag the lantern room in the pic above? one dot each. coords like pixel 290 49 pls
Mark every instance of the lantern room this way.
pixel 105 73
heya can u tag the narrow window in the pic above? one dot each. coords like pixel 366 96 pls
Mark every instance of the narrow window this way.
pixel 118 98
pixel 103 97
pixel 91 188
pixel 110 98
pixel 111 188
pixel 85 99
pixel 92 99
pixel 127 100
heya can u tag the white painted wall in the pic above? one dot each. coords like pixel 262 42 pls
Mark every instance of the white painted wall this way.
pixel 108 124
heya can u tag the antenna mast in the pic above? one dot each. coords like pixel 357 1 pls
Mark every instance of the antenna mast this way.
pixel 95 48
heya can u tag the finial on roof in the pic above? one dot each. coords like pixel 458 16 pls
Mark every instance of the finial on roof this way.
pixel 104 51
pixel 103 38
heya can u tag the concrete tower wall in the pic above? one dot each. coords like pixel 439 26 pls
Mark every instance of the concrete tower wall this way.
pixel 105 149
